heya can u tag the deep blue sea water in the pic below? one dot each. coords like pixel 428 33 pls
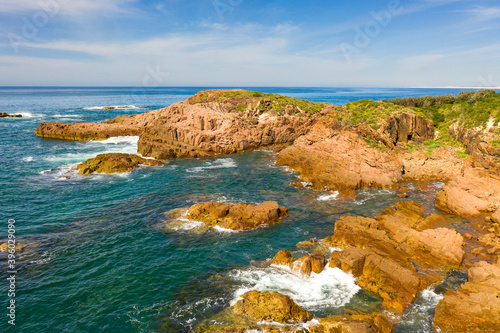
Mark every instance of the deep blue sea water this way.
pixel 100 263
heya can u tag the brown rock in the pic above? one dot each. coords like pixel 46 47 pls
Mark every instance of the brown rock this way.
pixel 475 306
pixel 442 164
pixel 238 216
pixel 283 257
pixel 306 265
pixel 85 131
pixel 341 161
pixel 477 250
pixel 346 195
pixel 495 217
pixel 355 323
pixel 396 284
pixel 205 124
pixel 473 193
pixel 6 115
pixel 467 236
pixel 377 252
pixel 270 306
pixel 114 163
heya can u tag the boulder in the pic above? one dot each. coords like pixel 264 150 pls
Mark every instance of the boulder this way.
pixel 475 306
pixel 354 323
pixel 305 266
pixel 237 216
pixel 270 306
pixel 114 163
pixel 396 284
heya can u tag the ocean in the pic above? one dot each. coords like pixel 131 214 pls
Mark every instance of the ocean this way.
pixel 97 259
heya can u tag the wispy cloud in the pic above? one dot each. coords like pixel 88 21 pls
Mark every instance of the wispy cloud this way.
pixel 482 13
pixel 70 8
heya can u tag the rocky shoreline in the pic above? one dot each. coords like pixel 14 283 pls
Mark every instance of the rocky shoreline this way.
pixel 401 252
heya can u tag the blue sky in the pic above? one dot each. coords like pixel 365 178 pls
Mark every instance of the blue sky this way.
pixel 377 43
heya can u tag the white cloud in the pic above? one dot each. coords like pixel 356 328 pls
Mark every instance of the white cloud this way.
pixel 70 8
pixel 419 62
pixel 484 13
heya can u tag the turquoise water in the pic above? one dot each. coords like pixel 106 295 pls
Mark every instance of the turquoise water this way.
pixel 100 262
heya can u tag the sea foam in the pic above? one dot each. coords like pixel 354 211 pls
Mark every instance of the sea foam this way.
pixel 331 288
pixel 221 163
pixel 328 197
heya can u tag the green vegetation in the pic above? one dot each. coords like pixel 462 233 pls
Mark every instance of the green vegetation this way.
pixel 243 93
pixel 462 154
pixel 469 109
pixel 366 111
pixel 274 103
pixel 372 144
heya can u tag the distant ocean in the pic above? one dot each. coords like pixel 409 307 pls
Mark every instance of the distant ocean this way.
pixel 101 264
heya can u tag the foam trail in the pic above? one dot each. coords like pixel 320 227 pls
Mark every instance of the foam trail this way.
pixel 330 288
pixel 120 144
pixel 222 163
pixel 28 115
pixel 328 197
pixel 419 315
pixel 112 107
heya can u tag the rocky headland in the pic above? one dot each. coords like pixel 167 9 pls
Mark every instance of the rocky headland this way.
pixel 381 144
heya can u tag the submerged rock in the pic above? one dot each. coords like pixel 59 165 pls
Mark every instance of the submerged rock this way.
pixel 6 115
pixel 306 265
pixel 262 311
pixel 475 306
pixel 236 216
pixel 270 306
pixel 114 163
pixel 354 323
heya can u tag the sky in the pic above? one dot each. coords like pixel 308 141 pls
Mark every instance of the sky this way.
pixel 243 43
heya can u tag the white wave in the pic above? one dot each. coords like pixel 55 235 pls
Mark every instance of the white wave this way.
pixel 29 115
pixel 119 144
pixel 187 225
pixel 28 159
pixel 330 288
pixel 221 163
pixel 420 314
pixel 367 195
pixel 66 116
pixel 306 184
pixel 224 230
pixel 120 140
pixel 328 197
pixel 112 107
